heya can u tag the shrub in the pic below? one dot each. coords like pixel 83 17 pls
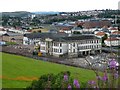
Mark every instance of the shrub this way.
pixel 63 80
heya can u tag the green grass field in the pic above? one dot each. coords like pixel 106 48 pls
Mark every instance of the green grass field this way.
pixel 14 66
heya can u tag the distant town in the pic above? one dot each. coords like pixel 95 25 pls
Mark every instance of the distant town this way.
pixel 62 37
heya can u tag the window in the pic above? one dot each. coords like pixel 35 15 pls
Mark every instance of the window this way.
pixel 73 50
pixel 42 42
pixel 60 50
pixel 73 44
pixel 97 41
pixel 60 44
pixel 56 44
pixel 26 42
pixel 56 50
pixel 42 48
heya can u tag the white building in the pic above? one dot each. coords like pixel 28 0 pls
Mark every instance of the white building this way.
pixel 60 44
pixel 112 42
pixel 77 29
pixel 113 29
pixel 2 32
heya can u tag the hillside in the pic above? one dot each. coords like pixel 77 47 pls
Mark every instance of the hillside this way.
pixel 16 14
pixel 19 71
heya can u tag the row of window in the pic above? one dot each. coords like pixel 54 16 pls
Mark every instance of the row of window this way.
pixel 58 44
pixel 53 50
pixel 42 48
pixel 57 50
pixel 90 46
pixel 90 41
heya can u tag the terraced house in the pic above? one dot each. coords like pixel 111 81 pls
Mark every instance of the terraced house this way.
pixel 60 44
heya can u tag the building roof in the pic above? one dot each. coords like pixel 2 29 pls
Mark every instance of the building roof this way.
pixel 81 37
pixel 45 35
pixel 97 30
pixel 12 34
pixel 65 28
pixel 112 39
pixel 113 28
pixel 76 28
pixel 62 37
pixel 116 32
pixel 115 35
pixel 105 29
pixel 12 38
pixel 100 33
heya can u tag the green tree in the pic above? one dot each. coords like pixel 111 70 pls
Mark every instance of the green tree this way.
pixel 104 38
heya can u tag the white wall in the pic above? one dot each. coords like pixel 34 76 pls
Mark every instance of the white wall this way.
pixel 64 48
pixel 25 39
pixel 2 32
pixel 113 43
pixel 42 44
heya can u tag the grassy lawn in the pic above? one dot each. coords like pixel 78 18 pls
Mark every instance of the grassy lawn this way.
pixel 14 66
pixel 10 43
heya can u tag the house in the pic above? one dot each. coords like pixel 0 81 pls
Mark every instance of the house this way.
pixel 77 29
pixel 12 37
pixel 2 31
pixel 66 30
pixel 116 33
pixel 112 41
pixel 113 29
pixel 115 36
pixel 60 44
pixel 53 31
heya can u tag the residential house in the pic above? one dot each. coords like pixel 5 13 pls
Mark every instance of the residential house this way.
pixel 112 41
pixel 13 37
pixel 2 31
pixel 66 30
pixel 113 29
pixel 116 33
pixel 77 29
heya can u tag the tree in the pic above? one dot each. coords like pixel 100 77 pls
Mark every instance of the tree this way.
pixel 104 38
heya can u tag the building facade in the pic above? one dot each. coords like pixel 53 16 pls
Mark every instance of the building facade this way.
pixel 70 46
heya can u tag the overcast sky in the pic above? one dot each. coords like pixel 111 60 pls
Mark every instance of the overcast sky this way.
pixel 56 5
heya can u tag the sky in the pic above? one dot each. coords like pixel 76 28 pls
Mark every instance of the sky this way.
pixel 56 5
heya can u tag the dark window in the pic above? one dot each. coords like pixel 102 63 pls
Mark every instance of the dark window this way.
pixel 73 44
pixel 60 50
pixel 97 41
pixel 60 44
pixel 73 50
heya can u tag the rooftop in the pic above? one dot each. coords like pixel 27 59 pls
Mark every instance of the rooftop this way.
pixel 12 34
pixel 112 39
pixel 116 32
pixel 59 36
pixel 100 33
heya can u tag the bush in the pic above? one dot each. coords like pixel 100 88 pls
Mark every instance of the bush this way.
pixel 63 80
pixel 52 81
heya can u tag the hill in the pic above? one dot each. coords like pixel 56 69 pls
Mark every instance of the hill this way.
pixel 19 71
pixel 16 14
